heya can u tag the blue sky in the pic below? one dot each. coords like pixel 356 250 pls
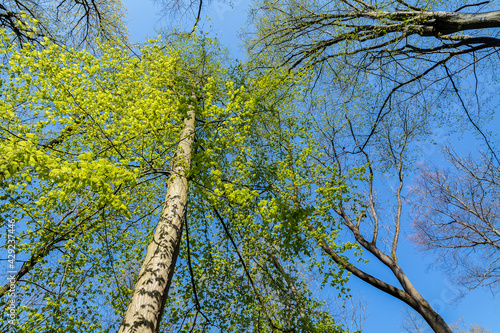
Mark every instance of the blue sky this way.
pixel 385 313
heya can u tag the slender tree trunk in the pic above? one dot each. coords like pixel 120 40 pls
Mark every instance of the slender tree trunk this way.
pixel 145 310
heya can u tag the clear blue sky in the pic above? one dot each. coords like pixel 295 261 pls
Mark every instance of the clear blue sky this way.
pixel 385 312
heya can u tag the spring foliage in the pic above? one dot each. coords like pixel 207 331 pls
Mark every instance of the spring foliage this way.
pixel 87 143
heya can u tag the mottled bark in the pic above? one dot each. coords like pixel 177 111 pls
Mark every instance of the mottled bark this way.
pixel 409 294
pixel 145 310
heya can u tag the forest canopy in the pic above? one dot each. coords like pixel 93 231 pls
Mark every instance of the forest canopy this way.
pixel 167 187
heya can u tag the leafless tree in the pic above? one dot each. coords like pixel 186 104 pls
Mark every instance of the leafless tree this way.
pixel 457 216
pixel 71 22
pixel 190 10
pixel 413 323
pixel 352 312
pixel 460 327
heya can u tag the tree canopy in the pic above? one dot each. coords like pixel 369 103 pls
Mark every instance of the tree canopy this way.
pixel 68 22
pixel 389 74
pixel 89 145
pixel 175 189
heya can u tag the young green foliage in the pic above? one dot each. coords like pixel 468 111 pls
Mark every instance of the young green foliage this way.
pixel 89 148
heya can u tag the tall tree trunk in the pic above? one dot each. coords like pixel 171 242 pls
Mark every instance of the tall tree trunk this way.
pixel 145 310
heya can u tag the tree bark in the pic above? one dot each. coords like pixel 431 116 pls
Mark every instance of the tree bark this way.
pixel 445 23
pixel 363 28
pixel 145 310
pixel 409 294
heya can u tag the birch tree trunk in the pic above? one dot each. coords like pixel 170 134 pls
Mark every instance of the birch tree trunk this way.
pixel 145 310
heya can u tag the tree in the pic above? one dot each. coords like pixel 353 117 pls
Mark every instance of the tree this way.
pixel 462 328
pixel 382 71
pixel 71 196
pixel 406 48
pixel 414 324
pixel 353 313
pixel 85 208
pixel 456 216
pixel 259 172
pixel 323 30
pixel 69 22
pixel 183 8
pixel 232 193
pixel 376 226
pixel 153 282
